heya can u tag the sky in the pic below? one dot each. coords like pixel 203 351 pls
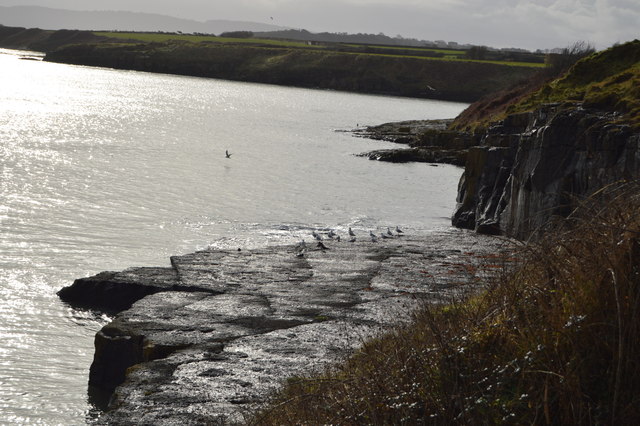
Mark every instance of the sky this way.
pixel 540 24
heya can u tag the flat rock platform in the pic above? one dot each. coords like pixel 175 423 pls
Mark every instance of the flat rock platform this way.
pixel 206 340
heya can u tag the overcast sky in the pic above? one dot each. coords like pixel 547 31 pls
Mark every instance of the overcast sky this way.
pixel 498 23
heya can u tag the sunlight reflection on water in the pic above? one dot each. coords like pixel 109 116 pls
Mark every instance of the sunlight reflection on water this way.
pixel 105 169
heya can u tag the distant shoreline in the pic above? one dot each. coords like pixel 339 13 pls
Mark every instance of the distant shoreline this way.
pixel 350 68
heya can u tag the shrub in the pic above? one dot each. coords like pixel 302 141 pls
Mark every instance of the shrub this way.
pixel 237 34
pixel 561 61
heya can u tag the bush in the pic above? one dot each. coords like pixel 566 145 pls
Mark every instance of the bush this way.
pixel 237 34
pixel 560 62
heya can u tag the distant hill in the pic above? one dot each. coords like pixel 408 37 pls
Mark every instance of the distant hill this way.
pixel 57 19
pixel 61 19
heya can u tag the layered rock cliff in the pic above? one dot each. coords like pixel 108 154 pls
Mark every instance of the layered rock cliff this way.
pixel 540 161
pixel 537 165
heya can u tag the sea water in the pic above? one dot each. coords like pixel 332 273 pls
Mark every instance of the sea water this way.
pixel 106 169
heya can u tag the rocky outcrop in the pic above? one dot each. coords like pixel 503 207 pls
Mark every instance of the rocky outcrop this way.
pixel 534 166
pixel 429 141
pixel 222 329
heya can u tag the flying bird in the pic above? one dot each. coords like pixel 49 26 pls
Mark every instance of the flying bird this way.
pixel 227 154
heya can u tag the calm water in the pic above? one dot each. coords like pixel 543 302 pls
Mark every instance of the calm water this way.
pixel 103 169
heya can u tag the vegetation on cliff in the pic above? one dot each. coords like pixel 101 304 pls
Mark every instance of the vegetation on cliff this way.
pixel 552 340
pixel 608 80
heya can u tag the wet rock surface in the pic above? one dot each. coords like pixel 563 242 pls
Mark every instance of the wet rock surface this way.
pixel 428 141
pixel 220 330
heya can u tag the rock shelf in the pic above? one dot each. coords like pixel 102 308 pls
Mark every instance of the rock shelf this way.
pixel 208 339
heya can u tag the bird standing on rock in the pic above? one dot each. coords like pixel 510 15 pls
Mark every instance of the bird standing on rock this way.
pixel 399 231
pixel 322 246
pixel 351 233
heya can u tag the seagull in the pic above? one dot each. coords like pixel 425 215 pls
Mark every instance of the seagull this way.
pixel 352 239
pixel 300 253
pixel 331 234
pixel 398 230
pixel 226 153
pixel 374 239
pixel 302 245
pixel 338 238
pixel 322 246
pixel 384 236
pixel 389 232
pixel 371 234
pixel 316 235
pixel 351 233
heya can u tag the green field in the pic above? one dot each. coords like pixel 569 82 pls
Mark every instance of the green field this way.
pixel 164 37
pixel 448 52
pixel 393 51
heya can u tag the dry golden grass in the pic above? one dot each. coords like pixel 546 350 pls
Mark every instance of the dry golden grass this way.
pixel 552 340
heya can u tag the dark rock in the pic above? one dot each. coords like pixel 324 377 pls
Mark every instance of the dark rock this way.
pixel 536 166
pixel 116 291
pixel 429 142
pixel 419 155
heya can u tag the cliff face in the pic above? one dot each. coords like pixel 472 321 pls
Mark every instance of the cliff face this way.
pixel 533 166
pixel 361 73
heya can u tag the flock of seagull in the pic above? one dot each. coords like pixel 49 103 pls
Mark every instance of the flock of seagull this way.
pixel 331 235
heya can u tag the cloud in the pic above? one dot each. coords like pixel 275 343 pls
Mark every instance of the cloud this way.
pixel 500 23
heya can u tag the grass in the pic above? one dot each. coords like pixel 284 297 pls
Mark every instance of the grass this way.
pixel 552 340
pixel 607 80
pixel 449 52
pixel 452 55
pixel 165 37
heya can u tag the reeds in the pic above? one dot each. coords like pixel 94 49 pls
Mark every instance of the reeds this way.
pixel 552 340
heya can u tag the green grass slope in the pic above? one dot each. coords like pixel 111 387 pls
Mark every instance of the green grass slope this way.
pixel 607 80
